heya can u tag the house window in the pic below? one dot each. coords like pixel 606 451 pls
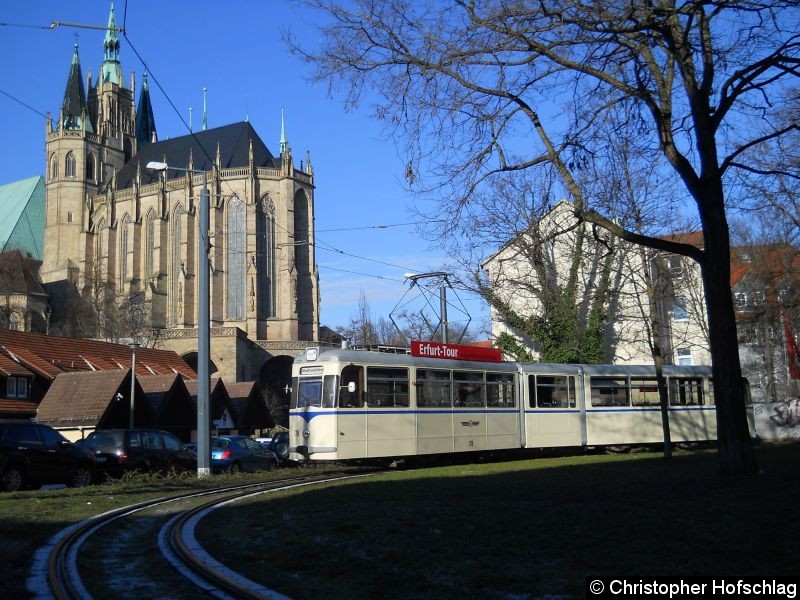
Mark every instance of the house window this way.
pixel 684 356
pixel 675 266
pixel 69 165
pixel 17 387
pixel 679 310
pixel 741 299
pixel 758 297
pixel 236 259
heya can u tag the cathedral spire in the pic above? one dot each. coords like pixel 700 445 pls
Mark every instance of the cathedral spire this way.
pixel 145 120
pixel 205 114
pixel 284 144
pixel 110 70
pixel 73 108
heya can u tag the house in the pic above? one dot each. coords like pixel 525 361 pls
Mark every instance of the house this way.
pixel 765 280
pixel 80 402
pixel 249 407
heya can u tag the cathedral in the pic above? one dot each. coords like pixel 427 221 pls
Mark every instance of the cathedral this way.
pixel 111 221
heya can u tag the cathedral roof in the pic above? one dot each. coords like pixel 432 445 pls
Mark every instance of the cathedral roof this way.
pixel 234 147
pixel 22 223
pixel 73 108
pixel 145 120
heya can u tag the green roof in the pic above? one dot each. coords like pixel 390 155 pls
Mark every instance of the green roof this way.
pixel 22 217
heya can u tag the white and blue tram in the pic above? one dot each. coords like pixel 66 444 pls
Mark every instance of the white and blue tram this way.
pixel 357 404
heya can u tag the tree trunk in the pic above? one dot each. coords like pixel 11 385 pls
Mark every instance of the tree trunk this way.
pixel 736 456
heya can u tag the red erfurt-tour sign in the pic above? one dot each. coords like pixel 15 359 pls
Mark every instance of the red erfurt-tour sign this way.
pixel 454 351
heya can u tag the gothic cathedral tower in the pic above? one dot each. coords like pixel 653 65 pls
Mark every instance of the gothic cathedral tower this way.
pixel 94 137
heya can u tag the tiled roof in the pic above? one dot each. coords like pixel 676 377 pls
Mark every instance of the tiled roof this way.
pixel 240 389
pixel 9 367
pixel 18 408
pixel 50 355
pixel 80 398
pixel 771 264
pixel 693 238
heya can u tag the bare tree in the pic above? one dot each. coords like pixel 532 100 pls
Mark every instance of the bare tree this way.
pixel 478 89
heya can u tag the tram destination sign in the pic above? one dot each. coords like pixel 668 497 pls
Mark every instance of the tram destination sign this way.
pixel 455 351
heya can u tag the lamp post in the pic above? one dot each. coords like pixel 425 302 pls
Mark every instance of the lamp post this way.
pixel 133 346
pixel 203 325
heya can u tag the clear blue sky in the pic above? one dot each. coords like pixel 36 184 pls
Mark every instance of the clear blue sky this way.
pixel 235 50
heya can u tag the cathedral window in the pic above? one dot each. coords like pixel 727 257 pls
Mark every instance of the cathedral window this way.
pixel 151 245
pixel 236 258
pixel 175 271
pixel 53 167
pixel 69 165
pixel 265 258
pixel 90 162
pixel 123 252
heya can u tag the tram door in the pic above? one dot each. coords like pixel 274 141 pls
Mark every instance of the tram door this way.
pixel 553 415
pixel 351 426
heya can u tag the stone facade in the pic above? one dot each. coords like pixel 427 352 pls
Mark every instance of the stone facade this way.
pixel 112 223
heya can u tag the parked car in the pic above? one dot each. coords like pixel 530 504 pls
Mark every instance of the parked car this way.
pixel 235 453
pixel 120 450
pixel 279 444
pixel 32 454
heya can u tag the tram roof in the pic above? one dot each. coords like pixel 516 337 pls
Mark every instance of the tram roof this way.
pixel 368 357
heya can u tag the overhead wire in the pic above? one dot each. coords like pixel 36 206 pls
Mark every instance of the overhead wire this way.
pixel 320 244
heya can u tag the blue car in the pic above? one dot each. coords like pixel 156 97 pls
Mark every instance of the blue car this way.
pixel 239 453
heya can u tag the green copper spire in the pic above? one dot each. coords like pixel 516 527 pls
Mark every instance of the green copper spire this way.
pixel 110 70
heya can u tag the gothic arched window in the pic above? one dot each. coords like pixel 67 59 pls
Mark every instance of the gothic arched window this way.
pixel 123 252
pixel 90 166
pixel 53 166
pixel 150 244
pixel 69 165
pixel 265 253
pixel 176 265
pixel 236 255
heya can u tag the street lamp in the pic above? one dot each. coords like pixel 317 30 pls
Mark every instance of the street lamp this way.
pixel 203 325
pixel 133 346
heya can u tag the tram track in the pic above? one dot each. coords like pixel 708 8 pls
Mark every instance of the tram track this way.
pixel 56 573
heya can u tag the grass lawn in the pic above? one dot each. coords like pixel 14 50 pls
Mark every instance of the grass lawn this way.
pixel 514 530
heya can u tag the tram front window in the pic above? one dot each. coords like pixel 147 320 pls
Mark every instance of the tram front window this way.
pixel 309 392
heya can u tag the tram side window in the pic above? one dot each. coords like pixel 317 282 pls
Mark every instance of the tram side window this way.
pixel 470 389
pixel 500 390
pixel 644 391
pixel 433 388
pixel 387 386
pixel 609 391
pixel 355 399
pixel 686 391
pixel 553 391
pixel 329 386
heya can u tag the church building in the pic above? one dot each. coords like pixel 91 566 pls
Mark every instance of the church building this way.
pixel 111 221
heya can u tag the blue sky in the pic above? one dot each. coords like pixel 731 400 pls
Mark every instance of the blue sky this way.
pixel 234 50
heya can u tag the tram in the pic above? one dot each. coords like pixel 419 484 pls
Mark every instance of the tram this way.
pixel 350 405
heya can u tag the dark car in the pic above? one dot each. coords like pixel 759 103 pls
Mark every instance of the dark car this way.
pixel 32 454
pixel 150 450
pixel 279 444
pixel 235 453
